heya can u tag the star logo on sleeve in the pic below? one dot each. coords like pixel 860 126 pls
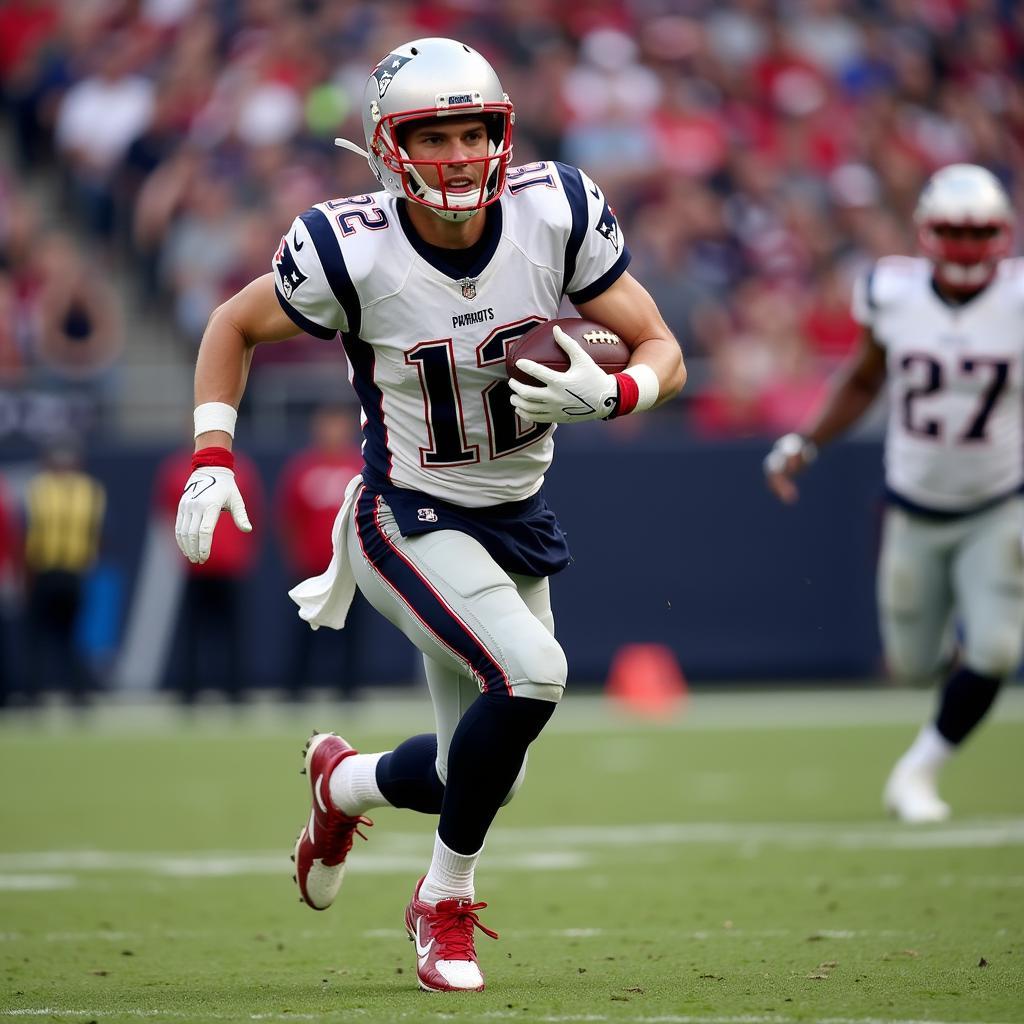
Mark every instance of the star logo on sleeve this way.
pixel 609 227
pixel 289 277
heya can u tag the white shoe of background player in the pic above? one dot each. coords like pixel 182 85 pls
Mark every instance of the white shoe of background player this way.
pixel 911 794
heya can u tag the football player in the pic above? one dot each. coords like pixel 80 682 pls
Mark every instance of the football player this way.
pixel 943 332
pixel 446 531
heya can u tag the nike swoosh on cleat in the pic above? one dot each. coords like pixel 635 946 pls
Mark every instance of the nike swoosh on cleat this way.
pixel 422 952
pixel 309 827
pixel 316 792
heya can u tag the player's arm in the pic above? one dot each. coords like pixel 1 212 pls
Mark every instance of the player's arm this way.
pixel 628 309
pixel 249 318
pixel 853 390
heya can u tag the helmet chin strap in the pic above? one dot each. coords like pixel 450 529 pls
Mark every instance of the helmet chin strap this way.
pixel 456 216
pixel 343 143
pixel 961 275
pixel 351 147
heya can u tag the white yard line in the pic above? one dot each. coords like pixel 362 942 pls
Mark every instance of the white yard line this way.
pixel 36 883
pixel 531 849
pixel 979 833
pixel 232 865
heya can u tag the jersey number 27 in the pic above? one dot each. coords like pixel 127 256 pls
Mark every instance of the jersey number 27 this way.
pixel 932 382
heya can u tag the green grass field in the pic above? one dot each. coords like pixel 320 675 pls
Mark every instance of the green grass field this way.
pixel 729 866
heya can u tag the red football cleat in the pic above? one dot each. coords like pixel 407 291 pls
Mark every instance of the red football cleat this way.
pixel 445 954
pixel 323 843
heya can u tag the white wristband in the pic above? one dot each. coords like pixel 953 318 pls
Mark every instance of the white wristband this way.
pixel 647 383
pixel 215 416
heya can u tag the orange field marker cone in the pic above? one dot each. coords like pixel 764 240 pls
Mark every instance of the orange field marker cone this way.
pixel 647 679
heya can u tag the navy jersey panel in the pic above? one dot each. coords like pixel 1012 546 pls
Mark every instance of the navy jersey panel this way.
pixel 523 537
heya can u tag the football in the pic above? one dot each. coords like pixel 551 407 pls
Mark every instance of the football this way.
pixel 605 347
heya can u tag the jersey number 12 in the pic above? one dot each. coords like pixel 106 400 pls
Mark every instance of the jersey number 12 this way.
pixel 442 401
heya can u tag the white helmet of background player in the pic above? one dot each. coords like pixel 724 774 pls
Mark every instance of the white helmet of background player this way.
pixel 434 78
pixel 965 225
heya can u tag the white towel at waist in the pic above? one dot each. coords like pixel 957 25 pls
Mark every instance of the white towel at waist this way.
pixel 324 600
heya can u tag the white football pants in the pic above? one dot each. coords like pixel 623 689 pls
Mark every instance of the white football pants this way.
pixel 478 627
pixel 934 575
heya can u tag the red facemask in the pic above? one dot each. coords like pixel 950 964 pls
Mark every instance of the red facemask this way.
pixel 965 262
pixel 387 144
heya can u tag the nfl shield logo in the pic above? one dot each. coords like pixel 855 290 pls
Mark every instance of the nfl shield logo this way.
pixel 468 287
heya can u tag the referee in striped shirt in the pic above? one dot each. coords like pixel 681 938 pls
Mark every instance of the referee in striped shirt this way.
pixel 64 511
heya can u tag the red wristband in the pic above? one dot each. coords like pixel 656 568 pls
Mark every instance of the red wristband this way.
pixel 214 456
pixel 629 395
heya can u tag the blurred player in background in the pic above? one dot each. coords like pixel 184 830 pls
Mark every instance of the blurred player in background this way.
pixel 64 512
pixel 308 495
pixel 447 532
pixel 946 332
pixel 10 573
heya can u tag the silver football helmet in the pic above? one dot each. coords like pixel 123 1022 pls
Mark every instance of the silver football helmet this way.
pixel 965 225
pixel 422 80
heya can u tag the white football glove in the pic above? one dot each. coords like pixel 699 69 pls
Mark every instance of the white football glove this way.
pixel 582 392
pixel 790 455
pixel 208 490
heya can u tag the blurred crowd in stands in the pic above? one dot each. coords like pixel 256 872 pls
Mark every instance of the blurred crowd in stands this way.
pixel 759 153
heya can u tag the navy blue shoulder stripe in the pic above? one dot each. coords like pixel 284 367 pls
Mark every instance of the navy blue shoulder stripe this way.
pixel 375 433
pixel 572 183
pixel 326 244
pixel 303 322
pixel 604 282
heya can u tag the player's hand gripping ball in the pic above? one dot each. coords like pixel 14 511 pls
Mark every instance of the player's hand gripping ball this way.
pixel 606 348
pixel 563 370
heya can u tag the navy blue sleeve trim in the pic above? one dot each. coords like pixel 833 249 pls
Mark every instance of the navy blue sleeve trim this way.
pixel 572 183
pixel 302 322
pixel 869 291
pixel 604 282
pixel 326 244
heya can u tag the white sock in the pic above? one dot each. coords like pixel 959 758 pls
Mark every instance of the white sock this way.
pixel 450 874
pixel 353 785
pixel 929 752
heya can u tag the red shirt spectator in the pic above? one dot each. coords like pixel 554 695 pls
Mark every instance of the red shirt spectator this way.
pixel 10 541
pixel 311 489
pixel 828 325
pixel 24 26
pixel 234 553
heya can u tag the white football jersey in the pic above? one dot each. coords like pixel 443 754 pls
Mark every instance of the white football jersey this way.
pixel 426 340
pixel 955 436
